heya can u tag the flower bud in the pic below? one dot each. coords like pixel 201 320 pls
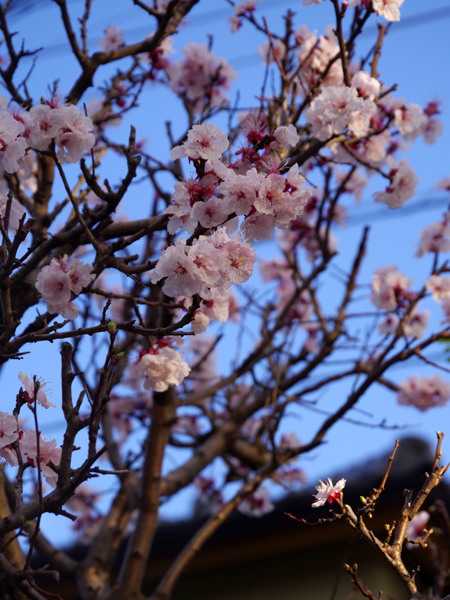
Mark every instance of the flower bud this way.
pixel 112 327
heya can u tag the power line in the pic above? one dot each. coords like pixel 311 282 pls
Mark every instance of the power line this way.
pixel 409 209
pixel 248 60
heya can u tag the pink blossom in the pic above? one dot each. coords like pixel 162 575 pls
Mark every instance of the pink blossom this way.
pixel 330 111
pixel 187 424
pixel 80 275
pixel 411 121
pixel 48 452
pixel 389 9
pixel 239 261
pixel 44 126
pixel 416 527
pixel 9 454
pixel 311 346
pixel 54 287
pixel 210 498
pixel 367 85
pixel 276 268
pixel 266 51
pixel 439 287
pixel 8 429
pixel 158 58
pixel 253 125
pixel 201 77
pixel 28 393
pixel 327 492
pixel 443 184
pixel 162 367
pixel 240 9
pixel 216 305
pixel 374 150
pixel 119 410
pixel 403 185
pixel 290 440
pixel 12 146
pixel 257 227
pixel 271 194
pixel 355 184
pixel 240 191
pixel 359 121
pixel 200 322
pixel 211 213
pixel 290 476
pixel 389 325
pixel 179 269
pixel 253 426
pixel 446 308
pixel 424 392
pixel 416 323
pixel 59 281
pixel 205 141
pixel 245 6
pixel 434 238
pixel 258 504
pixel 433 130
pixel 313 247
pixel 113 39
pixel 286 136
pixel 74 136
pixel 390 288
pixel 84 500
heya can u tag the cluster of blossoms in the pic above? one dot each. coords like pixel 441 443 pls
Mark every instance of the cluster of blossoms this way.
pixel 352 110
pixel 60 281
pixel 215 261
pixel 424 392
pixel 200 77
pixel 161 366
pixel 62 124
pixel 13 440
pixel 391 293
pixel 265 200
pixel 338 108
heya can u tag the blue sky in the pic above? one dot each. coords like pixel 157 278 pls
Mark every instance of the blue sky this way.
pixel 416 55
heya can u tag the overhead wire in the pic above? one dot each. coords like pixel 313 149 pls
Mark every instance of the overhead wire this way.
pixel 247 60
